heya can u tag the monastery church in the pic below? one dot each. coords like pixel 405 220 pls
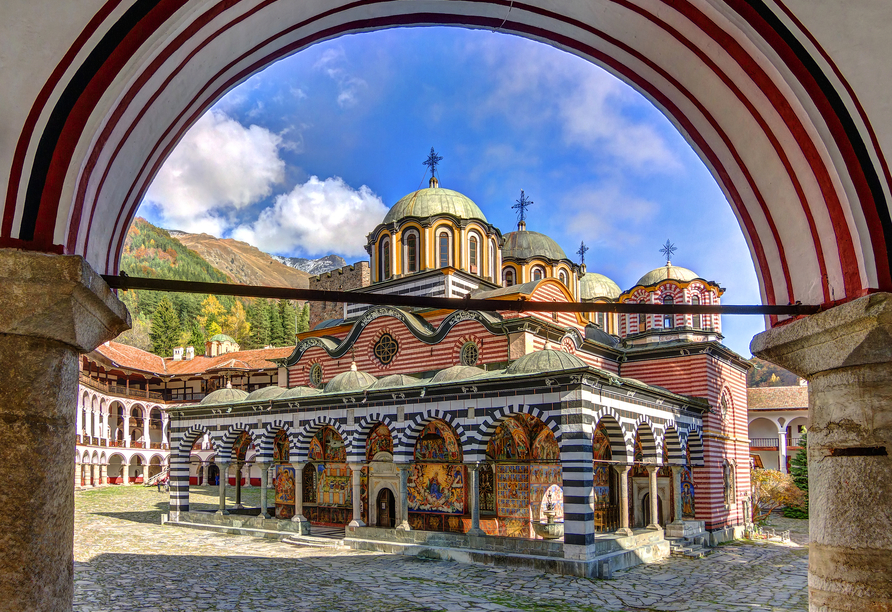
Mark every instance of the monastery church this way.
pixel 491 432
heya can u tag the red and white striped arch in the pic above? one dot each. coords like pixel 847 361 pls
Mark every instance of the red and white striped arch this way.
pixel 774 120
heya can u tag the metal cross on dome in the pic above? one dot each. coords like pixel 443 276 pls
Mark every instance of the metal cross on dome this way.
pixel 432 160
pixel 668 250
pixel 581 252
pixel 521 207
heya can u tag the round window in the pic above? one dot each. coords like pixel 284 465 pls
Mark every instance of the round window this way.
pixel 470 354
pixel 386 348
pixel 316 375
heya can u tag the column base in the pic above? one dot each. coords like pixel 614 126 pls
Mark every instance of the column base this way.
pixel 264 515
pixel 476 531
pixel 355 523
pixel 299 518
pixel 624 532
pixel 238 507
pixel 654 527
pixel 404 526
pixel 222 512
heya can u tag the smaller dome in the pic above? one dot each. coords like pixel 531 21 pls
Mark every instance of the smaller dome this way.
pixel 546 360
pixel 223 338
pixel 667 272
pixel 457 372
pixel 394 380
pixel 266 393
pixel 351 380
pixel 294 392
pixel 224 396
pixel 592 286
pixel 524 244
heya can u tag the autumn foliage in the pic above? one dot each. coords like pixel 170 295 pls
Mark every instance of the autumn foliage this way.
pixel 773 489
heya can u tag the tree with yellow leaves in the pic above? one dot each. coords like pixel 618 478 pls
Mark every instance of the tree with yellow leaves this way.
pixel 236 324
pixel 212 314
pixel 773 489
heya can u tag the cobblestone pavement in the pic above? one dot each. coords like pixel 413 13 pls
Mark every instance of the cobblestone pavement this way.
pixel 126 561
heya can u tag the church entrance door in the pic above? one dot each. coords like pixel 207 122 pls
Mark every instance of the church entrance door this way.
pixel 386 509
pixel 645 502
pixel 213 475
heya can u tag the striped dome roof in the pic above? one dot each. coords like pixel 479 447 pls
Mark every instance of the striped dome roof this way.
pixel 434 201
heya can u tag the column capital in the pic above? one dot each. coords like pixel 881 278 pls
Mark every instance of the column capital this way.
pixel 853 334
pixel 59 298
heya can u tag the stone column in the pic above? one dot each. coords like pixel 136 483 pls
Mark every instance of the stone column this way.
pixel 238 485
pixel 623 472
pixel 299 498
pixel 264 478
pixel 103 474
pixel 125 473
pixel 357 496
pixel 654 497
pixel 54 307
pixel 474 499
pixel 223 466
pixel 782 450
pixel 404 497
pixel 675 529
pixel 845 354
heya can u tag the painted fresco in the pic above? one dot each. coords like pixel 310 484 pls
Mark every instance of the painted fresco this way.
pixel 309 484
pixel 315 453
pixel 638 470
pixel 542 478
pixel 364 494
pixel 513 490
pixel 436 488
pixel 334 485
pixel 665 471
pixel 379 441
pixel 545 447
pixel 687 492
pixel 242 445
pixel 333 445
pixel 284 484
pixel 437 442
pixel 601 482
pixel 509 442
pixel 323 515
pixel 554 496
pixel 601 444
pixel 281 453
pixel 533 425
pixel 487 487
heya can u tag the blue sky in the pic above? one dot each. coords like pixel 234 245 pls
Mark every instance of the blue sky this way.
pixel 305 157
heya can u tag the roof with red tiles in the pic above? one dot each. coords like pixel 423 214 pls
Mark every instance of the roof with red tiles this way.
pixel 775 398
pixel 131 358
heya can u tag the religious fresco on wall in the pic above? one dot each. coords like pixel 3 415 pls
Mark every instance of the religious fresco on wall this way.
pixel 638 470
pixel 436 488
pixel 324 515
pixel 487 487
pixel 513 490
pixel 601 481
pixel 334 485
pixel 554 497
pixel 545 447
pixel 437 442
pixel 309 483
pixel 665 471
pixel 509 442
pixel 241 446
pixel 315 453
pixel 687 492
pixel 542 479
pixel 364 494
pixel 532 424
pixel 333 445
pixel 601 450
pixel 281 452
pixel 379 441
pixel 284 484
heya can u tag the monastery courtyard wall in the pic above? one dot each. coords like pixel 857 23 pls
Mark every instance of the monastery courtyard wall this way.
pixel 125 560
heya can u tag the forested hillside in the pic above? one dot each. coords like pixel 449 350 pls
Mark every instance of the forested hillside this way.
pixel 765 374
pixel 162 321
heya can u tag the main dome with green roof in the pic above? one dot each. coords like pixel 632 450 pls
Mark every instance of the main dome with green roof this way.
pixel 434 201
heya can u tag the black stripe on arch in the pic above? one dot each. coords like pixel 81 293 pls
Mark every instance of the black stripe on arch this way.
pixel 840 110
pixel 52 132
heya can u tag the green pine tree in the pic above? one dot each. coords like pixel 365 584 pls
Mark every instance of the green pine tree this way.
pixel 165 333
pixel 259 321
pixel 288 315
pixel 303 319
pixel 195 337
pixel 276 333
pixel 799 472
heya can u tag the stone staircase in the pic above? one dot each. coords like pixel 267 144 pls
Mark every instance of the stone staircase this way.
pixel 322 537
pixel 691 547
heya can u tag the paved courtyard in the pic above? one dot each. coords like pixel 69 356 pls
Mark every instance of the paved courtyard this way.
pixel 125 560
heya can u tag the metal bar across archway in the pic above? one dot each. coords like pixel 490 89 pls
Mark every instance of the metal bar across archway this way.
pixel 125 282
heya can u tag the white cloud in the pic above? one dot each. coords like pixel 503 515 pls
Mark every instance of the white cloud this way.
pixel 334 63
pixel 316 218
pixel 218 168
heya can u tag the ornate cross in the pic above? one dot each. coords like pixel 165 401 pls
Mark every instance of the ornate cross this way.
pixel 432 160
pixel 581 252
pixel 521 207
pixel 668 250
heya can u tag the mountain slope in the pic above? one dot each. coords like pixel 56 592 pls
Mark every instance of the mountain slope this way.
pixel 242 262
pixel 313 266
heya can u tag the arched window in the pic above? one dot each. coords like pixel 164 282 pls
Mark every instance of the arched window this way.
pixel 508 277
pixel 563 276
pixel 668 319
pixel 642 319
pixel 472 254
pixel 695 319
pixel 385 259
pixel 601 321
pixel 412 253
pixel 443 250
pixel 538 273
pixel 492 261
